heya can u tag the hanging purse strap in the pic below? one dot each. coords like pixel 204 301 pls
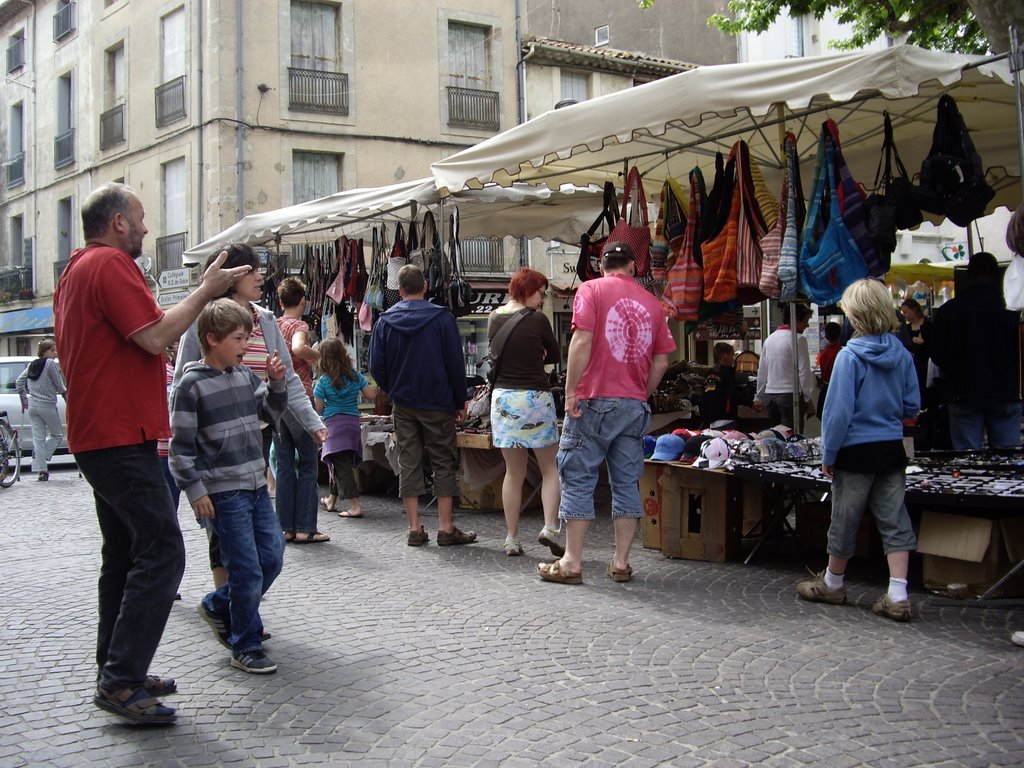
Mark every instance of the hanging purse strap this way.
pixel 498 342
pixel 453 223
pixel 633 196
pixel 609 211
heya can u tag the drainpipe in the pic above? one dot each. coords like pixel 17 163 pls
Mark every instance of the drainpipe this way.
pixel 239 112
pixel 200 186
pixel 520 67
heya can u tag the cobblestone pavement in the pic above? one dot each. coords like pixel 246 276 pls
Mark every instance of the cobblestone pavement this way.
pixel 395 656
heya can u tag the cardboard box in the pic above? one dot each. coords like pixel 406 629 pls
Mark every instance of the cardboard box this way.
pixel 695 514
pixel 473 440
pixel 965 554
pixel 812 521
pixel 482 496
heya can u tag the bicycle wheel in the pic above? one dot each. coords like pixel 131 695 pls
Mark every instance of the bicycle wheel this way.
pixel 10 456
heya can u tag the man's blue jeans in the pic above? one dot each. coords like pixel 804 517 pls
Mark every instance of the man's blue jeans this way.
pixel 968 423
pixel 143 559
pixel 296 482
pixel 252 548
pixel 610 430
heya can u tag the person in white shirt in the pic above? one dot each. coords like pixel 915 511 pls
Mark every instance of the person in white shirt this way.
pixel 775 386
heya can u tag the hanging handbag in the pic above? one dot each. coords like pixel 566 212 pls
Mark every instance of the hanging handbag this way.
pixel 952 175
pixel 337 291
pixel 795 216
pixel 720 250
pixel 831 261
pixel 757 211
pixel 588 265
pixel 894 205
pixel 633 228
pixel 771 243
pixel 685 287
pixel 460 294
pixel 374 289
pixel 415 253
pixel 851 205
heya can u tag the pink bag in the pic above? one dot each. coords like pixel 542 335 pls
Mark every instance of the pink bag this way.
pixel 637 236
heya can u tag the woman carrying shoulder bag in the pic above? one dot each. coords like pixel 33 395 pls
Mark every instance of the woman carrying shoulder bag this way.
pixel 38 385
pixel 522 407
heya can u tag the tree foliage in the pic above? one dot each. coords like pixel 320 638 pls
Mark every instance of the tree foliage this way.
pixel 948 25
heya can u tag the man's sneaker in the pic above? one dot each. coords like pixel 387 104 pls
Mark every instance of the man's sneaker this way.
pixel 512 547
pixel 897 610
pixel 551 538
pixel 418 538
pixel 446 539
pixel 817 592
pixel 254 662
pixel 1017 638
pixel 218 624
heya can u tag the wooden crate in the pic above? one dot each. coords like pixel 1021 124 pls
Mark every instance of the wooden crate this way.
pixel 695 514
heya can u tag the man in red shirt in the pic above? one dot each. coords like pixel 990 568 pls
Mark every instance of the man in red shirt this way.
pixel 112 334
pixel 617 356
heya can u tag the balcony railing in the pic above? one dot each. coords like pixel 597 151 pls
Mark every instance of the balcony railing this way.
pixel 58 267
pixel 310 90
pixel 64 21
pixel 482 256
pixel 16 54
pixel 64 149
pixel 14 170
pixel 170 101
pixel 112 127
pixel 169 250
pixel 472 108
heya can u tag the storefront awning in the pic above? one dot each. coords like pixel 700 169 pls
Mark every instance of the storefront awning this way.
pixel 19 320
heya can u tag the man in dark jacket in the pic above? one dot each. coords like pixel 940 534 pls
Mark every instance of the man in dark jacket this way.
pixel 416 357
pixel 976 351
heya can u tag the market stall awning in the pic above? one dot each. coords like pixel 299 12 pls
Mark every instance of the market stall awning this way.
pixel 493 210
pixel 20 320
pixel 669 126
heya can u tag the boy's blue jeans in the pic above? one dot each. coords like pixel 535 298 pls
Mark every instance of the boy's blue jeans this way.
pixel 252 547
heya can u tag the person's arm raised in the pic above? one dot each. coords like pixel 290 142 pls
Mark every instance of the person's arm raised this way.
pixel 216 281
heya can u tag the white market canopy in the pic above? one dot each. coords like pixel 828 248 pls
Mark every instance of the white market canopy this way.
pixel 493 210
pixel 671 125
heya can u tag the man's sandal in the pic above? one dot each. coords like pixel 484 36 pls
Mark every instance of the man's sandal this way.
pixel 159 686
pixel 135 705
pixel 553 572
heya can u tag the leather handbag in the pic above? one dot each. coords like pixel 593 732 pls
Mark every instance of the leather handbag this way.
pixel 831 261
pixel 588 266
pixel 460 294
pixel 633 227
pixel 894 205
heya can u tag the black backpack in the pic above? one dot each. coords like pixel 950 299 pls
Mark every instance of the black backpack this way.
pixel 952 175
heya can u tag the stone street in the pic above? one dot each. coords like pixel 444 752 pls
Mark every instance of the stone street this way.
pixel 396 656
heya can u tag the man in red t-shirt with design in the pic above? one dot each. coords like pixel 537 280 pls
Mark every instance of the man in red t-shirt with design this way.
pixel 617 356
pixel 111 336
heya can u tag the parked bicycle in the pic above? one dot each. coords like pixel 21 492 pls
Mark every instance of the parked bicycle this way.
pixel 10 453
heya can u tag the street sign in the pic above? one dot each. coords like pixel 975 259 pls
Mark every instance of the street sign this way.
pixel 175 278
pixel 172 298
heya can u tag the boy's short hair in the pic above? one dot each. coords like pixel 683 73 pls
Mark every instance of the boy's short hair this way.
pixel 803 312
pixel 720 350
pixel 290 292
pixel 221 317
pixel 868 305
pixel 832 332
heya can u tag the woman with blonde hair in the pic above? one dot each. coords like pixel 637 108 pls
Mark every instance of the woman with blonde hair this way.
pixel 872 390
pixel 39 384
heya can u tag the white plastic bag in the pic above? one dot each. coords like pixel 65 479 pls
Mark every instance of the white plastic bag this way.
pixel 1013 284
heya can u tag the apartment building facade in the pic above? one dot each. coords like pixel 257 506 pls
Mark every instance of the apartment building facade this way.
pixel 214 110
